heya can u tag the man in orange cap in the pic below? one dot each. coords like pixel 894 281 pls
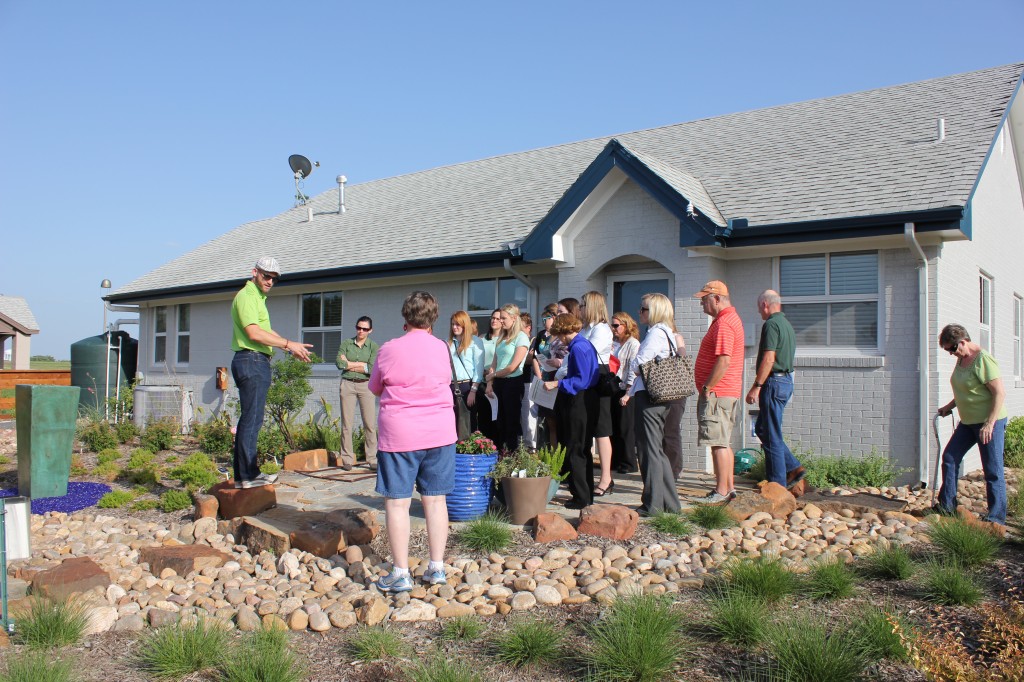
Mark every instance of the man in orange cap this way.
pixel 718 372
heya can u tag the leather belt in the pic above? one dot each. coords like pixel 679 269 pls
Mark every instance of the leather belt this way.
pixel 357 381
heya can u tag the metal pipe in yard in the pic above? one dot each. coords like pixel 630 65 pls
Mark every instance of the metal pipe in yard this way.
pixel 924 383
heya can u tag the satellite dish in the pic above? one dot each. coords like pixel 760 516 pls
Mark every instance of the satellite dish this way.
pixel 301 168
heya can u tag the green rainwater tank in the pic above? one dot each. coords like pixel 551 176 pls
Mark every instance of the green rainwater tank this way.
pixel 90 360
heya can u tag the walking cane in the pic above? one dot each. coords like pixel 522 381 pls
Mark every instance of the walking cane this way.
pixel 938 455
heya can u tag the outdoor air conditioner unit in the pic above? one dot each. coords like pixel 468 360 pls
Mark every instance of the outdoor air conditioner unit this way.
pixel 153 403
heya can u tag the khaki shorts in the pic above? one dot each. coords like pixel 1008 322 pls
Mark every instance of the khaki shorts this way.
pixel 716 418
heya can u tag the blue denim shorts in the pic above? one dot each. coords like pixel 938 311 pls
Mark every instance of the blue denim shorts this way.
pixel 433 470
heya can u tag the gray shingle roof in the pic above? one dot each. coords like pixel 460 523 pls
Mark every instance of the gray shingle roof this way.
pixel 15 308
pixel 866 153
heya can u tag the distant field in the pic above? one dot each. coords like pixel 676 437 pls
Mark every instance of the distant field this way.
pixel 58 364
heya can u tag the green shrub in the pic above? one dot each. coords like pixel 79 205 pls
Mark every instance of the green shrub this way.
pixel 437 668
pixel 36 666
pixel 889 561
pixel 736 617
pixel 875 631
pixel 359 442
pixel 462 627
pixel 489 533
pixel 97 436
pixel 803 649
pixel 215 437
pixel 48 624
pixel 175 500
pixel 825 471
pixel 264 656
pixel 376 643
pixel 830 579
pixel 270 443
pixel 963 542
pixel 178 650
pixel 77 466
pixel 270 467
pixel 761 578
pixel 108 455
pixel 951 584
pixel 140 458
pixel 1013 443
pixel 125 431
pixel 161 434
pixel 115 499
pixel 107 471
pixel 4 459
pixel 671 523
pixel 145 505
pixel 710 516
pixel 1015 504
pixel 637 639
pixel 142 467
pixel 529 642
pixel 197 472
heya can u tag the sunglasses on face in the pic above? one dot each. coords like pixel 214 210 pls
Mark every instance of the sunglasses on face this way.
pixel 615 325
pixel 951 349
pixel 362 329
pixel 644 309
pixel 269 277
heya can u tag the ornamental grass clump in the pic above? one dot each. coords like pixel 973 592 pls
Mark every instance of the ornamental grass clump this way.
pixel 489 533
pixel 876 631
pixel 529 643
pixel 803 649
pixel 710 516
pixel 950 583
pixel 36 666
pixel 49 623
pixel 264 655
pixel 179 650
pixel 736 617
pixel 671 523
pixel 462 627
pixel 761 578
pixel 830 578
pixel 963 542
pixel 437 668
pixel 889 561
pixel 376 643
pixel 637 639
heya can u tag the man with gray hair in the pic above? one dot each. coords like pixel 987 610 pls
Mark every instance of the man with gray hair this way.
pixel 773 389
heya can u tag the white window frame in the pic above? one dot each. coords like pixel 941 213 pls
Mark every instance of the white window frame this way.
pixel 1018 336
pixel 835 350
pixel 171 335
pixel 179 333
pixel 157 334
pixel 480 314
pixel 340 328
pixel 986 289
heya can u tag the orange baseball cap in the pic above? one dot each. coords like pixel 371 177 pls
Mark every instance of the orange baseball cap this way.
pixel 715 286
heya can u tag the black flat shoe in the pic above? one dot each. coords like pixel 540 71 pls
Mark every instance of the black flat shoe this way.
pixel 575 504
pixel 601 492
pixel 625 469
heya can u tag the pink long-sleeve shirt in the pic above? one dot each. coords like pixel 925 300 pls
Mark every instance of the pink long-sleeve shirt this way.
pixel 412 376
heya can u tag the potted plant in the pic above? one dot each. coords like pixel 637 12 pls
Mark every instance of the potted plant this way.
pixel 554 457
pixel 475 457
pixel 525 481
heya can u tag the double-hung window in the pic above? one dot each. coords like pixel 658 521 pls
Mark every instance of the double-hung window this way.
pixel 985 312
pixel 485 295
pixel 832 299
pixel 160 334
pixel 171 324
pixel 321 323
pixel 1018 335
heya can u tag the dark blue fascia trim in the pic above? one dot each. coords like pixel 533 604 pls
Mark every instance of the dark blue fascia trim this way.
pixel 393 269
pixel 967 222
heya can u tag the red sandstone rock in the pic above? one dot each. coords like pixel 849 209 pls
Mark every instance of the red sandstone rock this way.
pixel 360 525
pixel 183 559
pixel 206 505
pixel 307 460
pixel 322 539
pixel 259 535
pixel 549 527
pixel 73 575
pixel 772 499
pixel 243 501
pixel 609 521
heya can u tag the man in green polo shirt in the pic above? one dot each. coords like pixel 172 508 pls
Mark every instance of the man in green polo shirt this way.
pixel 773 389
pixel 355 360
pixel 254 342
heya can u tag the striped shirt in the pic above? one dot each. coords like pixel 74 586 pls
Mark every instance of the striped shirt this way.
pixel 724 337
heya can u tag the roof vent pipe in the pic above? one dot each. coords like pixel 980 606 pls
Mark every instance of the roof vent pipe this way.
pixel 941 129
pixel 341 193
pixel 309 214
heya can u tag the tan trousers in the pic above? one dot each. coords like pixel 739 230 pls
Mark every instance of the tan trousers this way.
pixel 351 392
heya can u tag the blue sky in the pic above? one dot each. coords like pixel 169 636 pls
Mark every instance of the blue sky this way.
pixel 132 132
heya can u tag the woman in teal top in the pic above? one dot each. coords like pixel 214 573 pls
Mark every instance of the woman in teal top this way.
pixel 504 376
pixel 488 426
pixel 978 396
pixel 467 354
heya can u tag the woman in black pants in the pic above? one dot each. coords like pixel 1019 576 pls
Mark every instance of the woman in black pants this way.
pixel 504 377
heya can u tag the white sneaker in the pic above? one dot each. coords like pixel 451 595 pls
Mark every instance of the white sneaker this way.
pixel 269 478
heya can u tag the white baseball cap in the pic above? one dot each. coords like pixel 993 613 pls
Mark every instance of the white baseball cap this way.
pixel 268 264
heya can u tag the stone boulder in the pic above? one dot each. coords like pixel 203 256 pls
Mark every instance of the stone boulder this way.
pixel 258 535
pixel 307 460
pixel 235 502
pixel 205 505
pixel 860 503
pixel 73 575
pixel 182 559
pixel 359 525
pixel 322 539
pixel 549 527
pixel 608 521
pixel 772 498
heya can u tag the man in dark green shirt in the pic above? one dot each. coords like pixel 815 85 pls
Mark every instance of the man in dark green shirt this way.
pixel 773 389
pixel 355 360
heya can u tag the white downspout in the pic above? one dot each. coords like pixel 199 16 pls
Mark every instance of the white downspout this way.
pixel 923 340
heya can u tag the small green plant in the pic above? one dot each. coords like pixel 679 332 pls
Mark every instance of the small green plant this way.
pixel 519 463
pixel 289 388
pixel 736 617
pixel 126 431
pixel 830 579
pixel 1013 443
pixel 671 523
pixel 161 434
pixel 438 668
pixel 145 505
pixel 107 471
pixel 376 643
pixel 36 666
pixel 197 472
pixel 264 655
pixel 803 649
pixel 889 561
pixel 462 627
pixel 270 443
pixel 489 533
pixel 963 542
pixel 761 578
pixel 108 455
pixel 4 459
pixel 874 470
pixel 270 467
pixel 949 583
pixel 529 642
pixel 1015 504
pixel 875 630
pixel 140 458
pixel 175 500
pixel 77 466
pixel 554 457
pixel 215 437
pixel 637 639
pixel 115 499
pixel 97 436
pixel 710 516
pixel 359 442
pixel 476 444
pixel 178 650
pixel 48 624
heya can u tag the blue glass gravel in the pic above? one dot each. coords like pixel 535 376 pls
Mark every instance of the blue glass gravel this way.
pixel 80 496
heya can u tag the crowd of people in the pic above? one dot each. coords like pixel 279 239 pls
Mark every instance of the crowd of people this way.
pixel 593 362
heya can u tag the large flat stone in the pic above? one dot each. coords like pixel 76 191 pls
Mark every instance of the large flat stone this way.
pixel 359 525
pixel 73 575
pixel 183 559
pixel 861 503
pixel 771 498
pixel 323 539
pixel 235 502
pixel 608 521
pixel 307 460
pixel 260 535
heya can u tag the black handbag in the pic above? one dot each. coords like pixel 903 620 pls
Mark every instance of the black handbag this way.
pixel 607 383
pixel 670 378
pixel 463 426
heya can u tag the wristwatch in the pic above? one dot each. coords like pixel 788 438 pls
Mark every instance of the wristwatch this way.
pixel 758 385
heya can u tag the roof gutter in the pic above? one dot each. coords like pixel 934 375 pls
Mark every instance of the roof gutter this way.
pixel 923 334
pixel 532 296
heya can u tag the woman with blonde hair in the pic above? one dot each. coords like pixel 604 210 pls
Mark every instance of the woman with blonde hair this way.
pixel 504 376
pixel 659 482
pixel 594 315
pixel 627 343
pixel 488 426
pixel 467 354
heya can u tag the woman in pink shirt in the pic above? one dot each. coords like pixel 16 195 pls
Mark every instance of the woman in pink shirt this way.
pixel 415 438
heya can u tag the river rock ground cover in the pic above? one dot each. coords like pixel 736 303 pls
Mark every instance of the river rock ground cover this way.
pixel 326 603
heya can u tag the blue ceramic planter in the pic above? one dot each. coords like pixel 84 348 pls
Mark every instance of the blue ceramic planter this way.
pixel 472 494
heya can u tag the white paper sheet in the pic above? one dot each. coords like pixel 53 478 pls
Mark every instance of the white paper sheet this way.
pixel 493 400
pixel 541 395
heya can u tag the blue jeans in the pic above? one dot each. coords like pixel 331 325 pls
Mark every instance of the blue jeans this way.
pixel 964 438
pixel 251 372
pixel 772 400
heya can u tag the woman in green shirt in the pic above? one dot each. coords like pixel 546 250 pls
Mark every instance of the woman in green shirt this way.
pixel 978 396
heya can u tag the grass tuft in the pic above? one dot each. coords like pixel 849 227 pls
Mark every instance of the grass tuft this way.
pixel 949 583
pixel 761 578
pixel 177 650
pixel 489 533
pixel 35 666
pixel 264 656
pixel 875 630
pixel 671 523
pixel 710 516
pixel 736 617
pixel 889 561
pixel 48 624
pixel 529 642
pixel 802 649
pixel 440 669
pixel 963 542
pixel 376 643
pixel 830 579
pixel 637 639
pixel 462 627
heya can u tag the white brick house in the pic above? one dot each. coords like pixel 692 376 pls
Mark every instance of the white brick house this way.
pixel 834 202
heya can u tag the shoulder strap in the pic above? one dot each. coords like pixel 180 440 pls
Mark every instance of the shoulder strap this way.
pixel 671 346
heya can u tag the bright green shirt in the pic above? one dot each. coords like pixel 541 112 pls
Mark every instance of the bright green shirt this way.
pixel 973 399
pixel 249 307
